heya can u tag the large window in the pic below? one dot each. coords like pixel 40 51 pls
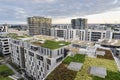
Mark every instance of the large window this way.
pixel 59 59
pixel 49 61
pixel 40 57
pixel 31 54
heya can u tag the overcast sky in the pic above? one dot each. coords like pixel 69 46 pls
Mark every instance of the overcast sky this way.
pixel 61 11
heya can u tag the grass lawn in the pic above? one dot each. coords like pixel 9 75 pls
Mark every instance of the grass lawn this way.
pixel 5 72
pixel 109 64
pixel 54 44
pixel 76 58
pixel 5 78
pixel 111 76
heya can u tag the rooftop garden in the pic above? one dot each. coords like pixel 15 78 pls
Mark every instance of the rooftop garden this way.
pixel 5 72
pixel 108 64
pixel 77 58
pixel 108 54
pixel 83 74
pixel 15 36
pixel 63 72
pixel 51 44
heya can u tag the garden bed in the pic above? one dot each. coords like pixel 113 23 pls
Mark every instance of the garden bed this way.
pixel 110 65
pixel 108 54
pixel 62 73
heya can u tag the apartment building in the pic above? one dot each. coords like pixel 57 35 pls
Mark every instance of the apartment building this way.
pixel 4 45
pixel 39 25
pixel 62 26
pixel 80 23
pixel 4 28
pixel 65 34
pixel 37 56
pixel 91 35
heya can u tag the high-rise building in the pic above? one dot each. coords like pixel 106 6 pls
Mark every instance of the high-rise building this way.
pixel 39 25
pixel 79 23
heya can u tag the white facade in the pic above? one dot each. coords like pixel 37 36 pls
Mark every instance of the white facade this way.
pixel 36 60
pixel 65 34
pixel 95 35
pixel 4 28
pixel 4 45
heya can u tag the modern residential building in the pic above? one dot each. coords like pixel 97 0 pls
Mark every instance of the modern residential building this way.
pixel 62 26
pixel 36 55
pixel 80 23
pixel 39 25
pixel 4 44
pixel 65 34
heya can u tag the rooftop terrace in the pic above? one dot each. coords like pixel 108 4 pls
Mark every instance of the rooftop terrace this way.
pixel 15 36
pixel 83 74
pixel 111 42
pixel 50 44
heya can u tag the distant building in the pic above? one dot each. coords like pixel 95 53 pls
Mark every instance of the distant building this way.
pixel 4 44
pixel 64 34
pixel 62 26
pixel 79 23
pixel 39 25
pixel 4 28
pixel 19 27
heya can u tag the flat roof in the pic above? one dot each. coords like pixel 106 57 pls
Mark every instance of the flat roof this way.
pixel 112 42
pixel 15 36
pixel 51 44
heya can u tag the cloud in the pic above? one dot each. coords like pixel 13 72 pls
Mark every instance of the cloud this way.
pixel 115 1
pixel 43 1
pixel 18 10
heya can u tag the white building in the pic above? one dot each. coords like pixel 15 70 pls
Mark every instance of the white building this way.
pixel 4 45
pixel 37 56
pixel 65 34
pixel 95 35
pixel 4 28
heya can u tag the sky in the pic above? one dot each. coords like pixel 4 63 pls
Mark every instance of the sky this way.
pixel 61 11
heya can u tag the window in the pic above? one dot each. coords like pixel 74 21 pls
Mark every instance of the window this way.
pixel 59 59
pixel 31 54
pixel 37 66
pixel 40 57
pixel 58 52
pixel 42 69
pixel 49 61
pixel 39 63
pixel 47 67
pixel 38 77
pixel 39 73
pixel 50 53
pixel 34 48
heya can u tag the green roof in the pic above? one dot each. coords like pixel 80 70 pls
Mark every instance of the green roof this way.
pixel 15 36
pixel 51 44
